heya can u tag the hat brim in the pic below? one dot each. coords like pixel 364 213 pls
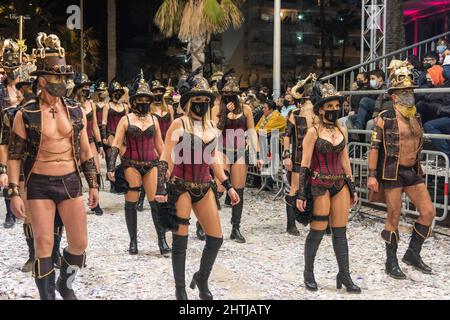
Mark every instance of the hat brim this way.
pixel 141 95
pixel 319 104
pixel 7 68
pixel 86 83
pixel 23 83
pixel 230 92
pixel 158 88
pixel 390 90
pixel 201 93
pixel 48 73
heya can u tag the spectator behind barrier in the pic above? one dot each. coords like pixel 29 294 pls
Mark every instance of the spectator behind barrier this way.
pixel 362 83
pixel 288 105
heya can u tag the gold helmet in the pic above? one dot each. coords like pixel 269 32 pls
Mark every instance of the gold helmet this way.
pixel 231 86
pixel 327 92
pixel 50 56
pixel 303 89
pixel 11 55
pixel 401 78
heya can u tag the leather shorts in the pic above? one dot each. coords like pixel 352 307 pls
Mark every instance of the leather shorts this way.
pixel 56 188
pixel 406 177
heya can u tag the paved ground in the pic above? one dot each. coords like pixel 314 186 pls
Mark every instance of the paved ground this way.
pixel 269 266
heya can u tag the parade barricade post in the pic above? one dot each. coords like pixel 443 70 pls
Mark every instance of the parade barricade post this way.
pixel 435 165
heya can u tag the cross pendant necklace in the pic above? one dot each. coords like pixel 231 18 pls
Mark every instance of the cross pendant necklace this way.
pixel 53 111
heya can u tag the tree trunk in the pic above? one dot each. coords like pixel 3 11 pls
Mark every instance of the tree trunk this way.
pixel 197 51
pixel 112 40
pixel 322 33
pixel 395 29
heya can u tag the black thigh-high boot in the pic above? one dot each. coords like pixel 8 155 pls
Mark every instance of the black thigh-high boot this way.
pixel 412 255
pixel 131 220
pixel 160 231
pixel 200 278
pixel 10 218
pixel 340 247
pixel 140 205
pixel 392 268
pixel 57 236
pixel 44 277
pixel 28 231
pixel 291 228
pixel 236 214
pixel 69 268
pixel 312 244
pixel 179 246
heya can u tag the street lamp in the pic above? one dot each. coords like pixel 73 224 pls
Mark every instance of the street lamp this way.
pixel 277 49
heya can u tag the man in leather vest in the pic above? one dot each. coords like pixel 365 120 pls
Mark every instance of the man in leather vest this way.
pixel 394 168
pixel 49 137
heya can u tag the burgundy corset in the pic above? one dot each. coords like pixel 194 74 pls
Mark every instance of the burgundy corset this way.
pixel 233 133
pixel 325 161
pixel 196 168
pixel 99 113
pixel 164 124
pixel 140 143
pixel 113 120
pixel 90 124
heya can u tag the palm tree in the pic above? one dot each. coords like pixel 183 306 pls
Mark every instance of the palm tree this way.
pixel 194 21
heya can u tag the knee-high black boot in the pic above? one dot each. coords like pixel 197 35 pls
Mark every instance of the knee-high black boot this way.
pixel 98 210
pixel 291 228
pixel 57 236
pixel 392 268
pixel 412 256
pixel 160 231
pixel 10 218
pixel 340 247
pixel 179 245
pixel 69 268
pixel 131 220
pixel 200 278
pixel 140 205
pixel 44 277
pixel 236 214
pixel 312 244
pixel 28 231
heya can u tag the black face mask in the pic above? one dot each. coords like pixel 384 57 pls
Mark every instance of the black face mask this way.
pixel 426 66
pixel 86 93
pixel 360 84
pixel 332 115
pixel 286 103
pixel 199 108
pixel 117 96
pixel 158 97
pixel 142 109
pixel 56 89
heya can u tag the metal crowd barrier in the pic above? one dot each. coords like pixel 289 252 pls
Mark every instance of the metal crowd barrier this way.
pixel 435 165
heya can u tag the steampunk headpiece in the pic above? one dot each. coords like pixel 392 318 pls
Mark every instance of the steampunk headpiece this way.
pixel 80 80
pixel 101 86
pixel 11 55
pixel 324 93
pixel 24 75
pixel 50 56
pixel 303 89
pixel 140 88
pixel 231 86
pixel 195 85
pixel 115 86
pixel 401 78
pixel 157 85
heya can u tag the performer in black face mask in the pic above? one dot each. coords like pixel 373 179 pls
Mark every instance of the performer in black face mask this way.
pixel 116 108
pixel 190 184
pixel 82 94
pixel 326 186
pixel 140 133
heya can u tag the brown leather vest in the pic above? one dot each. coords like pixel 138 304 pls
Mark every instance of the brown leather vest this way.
pixel 31 115
pixel 388 160
pixel 301 127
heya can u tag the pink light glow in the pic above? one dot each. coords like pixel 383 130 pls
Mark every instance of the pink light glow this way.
pixel 415 9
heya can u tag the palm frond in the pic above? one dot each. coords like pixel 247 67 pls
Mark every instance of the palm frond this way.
pixel 234 14
pixel 168 17
pixel 192 25
pixel 215 18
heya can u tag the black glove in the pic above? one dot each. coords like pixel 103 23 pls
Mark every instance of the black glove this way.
pixel 303 183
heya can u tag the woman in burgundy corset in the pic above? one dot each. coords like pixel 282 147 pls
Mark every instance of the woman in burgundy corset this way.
pixel 189 153
pixel 101 94
pixel 326 184
pixel 160 109
pixel 112 113
pixel 140 133
pixel 82 94
pixel 233 119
